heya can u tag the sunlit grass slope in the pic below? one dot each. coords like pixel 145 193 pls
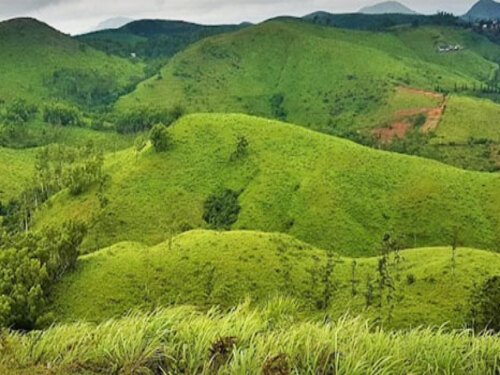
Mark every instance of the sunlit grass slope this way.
pixel 32 51
pixel 323 190
pixel 468 119
pixel 328 79
pixel 207 268
pixel 270 340
pixel 16 170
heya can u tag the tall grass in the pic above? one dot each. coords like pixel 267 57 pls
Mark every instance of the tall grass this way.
pixel 246 340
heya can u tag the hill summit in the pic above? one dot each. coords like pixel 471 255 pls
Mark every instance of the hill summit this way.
pixel 387 7
pixel 484 10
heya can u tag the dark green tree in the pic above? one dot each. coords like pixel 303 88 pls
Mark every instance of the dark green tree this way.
pixel 160 138
pixel 221 210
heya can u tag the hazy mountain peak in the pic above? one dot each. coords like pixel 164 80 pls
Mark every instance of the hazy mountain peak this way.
pixel 113 23
pixel 484 10
pixel 387 7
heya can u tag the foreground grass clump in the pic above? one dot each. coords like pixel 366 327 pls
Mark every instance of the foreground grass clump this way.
pixel 270 340
pixel 432 286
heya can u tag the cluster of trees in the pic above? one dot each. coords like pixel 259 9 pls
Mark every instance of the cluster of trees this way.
pixel 485 311
pixel 62 115
pixel 56 168
pixel 144 118
pixel 160 138
pixel 221 209
pixel 277 109
pixel 87 88
pixel 29 265
pixel 19 112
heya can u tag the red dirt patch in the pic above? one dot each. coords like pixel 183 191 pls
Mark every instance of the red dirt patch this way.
pixel 402 118
pixel 385 135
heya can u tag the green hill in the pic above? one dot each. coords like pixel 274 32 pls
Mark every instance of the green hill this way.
pixel 152 39
pixel 319 77
pixel 326 191
pixel 207 268
pixel 51 65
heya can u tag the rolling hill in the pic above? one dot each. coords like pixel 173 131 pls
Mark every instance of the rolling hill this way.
pixel 387 7
pixel 205 268
pixel 326 191
pixel 152 39
pixel 337 93
pixel 52 66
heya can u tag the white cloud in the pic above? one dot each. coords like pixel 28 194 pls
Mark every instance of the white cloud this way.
pixel 75 16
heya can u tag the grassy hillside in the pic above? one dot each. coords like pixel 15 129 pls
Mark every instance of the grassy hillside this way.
pixel 152 39
pixel 271 340
pixel 323 190
pixel 207 268
pixel 329 88
pixel 51 65
pixel 16 169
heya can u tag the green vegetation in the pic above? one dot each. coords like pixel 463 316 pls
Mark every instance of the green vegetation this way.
pixel 56 168
pixel 230 266
pixel 484 311
pixel 337 93
pixel 221 210
pixel 152 39
pixel 16 169
pixel 323 190
pixel 60 114
pixel 51 65
pixel 139 240
pixel 29 265
pixel 270 340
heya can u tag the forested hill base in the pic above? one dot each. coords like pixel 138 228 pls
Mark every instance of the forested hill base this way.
pixel 40 64
pixel 326 191
pixel 333 90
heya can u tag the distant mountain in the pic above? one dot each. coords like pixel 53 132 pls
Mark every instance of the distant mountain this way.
pixel 483 10
pixel 112 23
pixel 387 7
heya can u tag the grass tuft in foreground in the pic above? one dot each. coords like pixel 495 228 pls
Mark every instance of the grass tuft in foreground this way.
pixel 269 340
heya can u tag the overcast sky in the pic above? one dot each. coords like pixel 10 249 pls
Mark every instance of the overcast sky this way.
pixel 76 16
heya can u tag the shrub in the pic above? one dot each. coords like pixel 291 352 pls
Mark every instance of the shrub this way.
pixel 419 120
pixel 410 279
pixel 20 112
pixel 144 118
pixel 160 138
pixel 241 148
pixel 485 311
pixel 221 210
pixel 62 114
